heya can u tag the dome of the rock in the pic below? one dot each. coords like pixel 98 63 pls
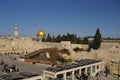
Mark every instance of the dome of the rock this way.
pixel 41 33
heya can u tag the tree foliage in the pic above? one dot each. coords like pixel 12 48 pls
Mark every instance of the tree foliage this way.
pixel 85 40
pixel 49 38
pixel 43 39
pixel 65 51
pixel 77 49
pixel 54 54
pixel 68 37
pixel 97 40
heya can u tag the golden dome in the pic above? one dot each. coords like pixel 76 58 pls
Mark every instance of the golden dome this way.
pixel 41 33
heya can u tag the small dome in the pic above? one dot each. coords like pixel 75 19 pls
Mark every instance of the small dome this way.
pixel 41 33
pixel 16 28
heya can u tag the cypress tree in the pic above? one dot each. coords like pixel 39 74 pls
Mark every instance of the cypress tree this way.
pixel 97 40
pixel 48 39
pixel 58 38
pixel 53 39
pixel 85 40
pixel 43 39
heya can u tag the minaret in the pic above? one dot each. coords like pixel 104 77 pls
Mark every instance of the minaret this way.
pixel 16 31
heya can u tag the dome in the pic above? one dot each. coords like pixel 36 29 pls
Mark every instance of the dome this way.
pixel 41 33
pixel 16 28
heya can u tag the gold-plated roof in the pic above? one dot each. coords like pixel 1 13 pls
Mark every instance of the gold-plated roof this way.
pixel 41 33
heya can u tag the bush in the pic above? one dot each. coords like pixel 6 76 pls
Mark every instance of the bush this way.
pixel 62 60
pixel 78 49
pixel 65 51
pixel 69 60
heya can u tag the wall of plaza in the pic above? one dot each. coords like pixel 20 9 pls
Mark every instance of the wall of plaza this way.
pixel 27 44
pixel 17 45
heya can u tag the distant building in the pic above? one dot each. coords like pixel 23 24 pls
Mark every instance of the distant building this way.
pixel 40 34
pixel 16 34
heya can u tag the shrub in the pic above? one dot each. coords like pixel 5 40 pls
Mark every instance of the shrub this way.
pixel 65 51
pixel 78 49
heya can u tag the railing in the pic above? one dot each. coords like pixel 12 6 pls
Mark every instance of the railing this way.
pixel 36 52
pixel 38 61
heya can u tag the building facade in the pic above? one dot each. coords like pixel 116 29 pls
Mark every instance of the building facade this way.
pixel 85 66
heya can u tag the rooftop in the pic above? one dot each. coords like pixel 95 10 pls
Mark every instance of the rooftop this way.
pixel 76 64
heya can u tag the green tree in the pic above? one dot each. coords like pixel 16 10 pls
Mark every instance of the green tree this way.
pixel 77 49
pixel 85 40
pixel 54 54
pixel 73 38
pixel 64 38
pixel 53 39
pixel 43 39
pixel 58 38
pixel 90 45
pixel 68 37
pixel 65 51
pixel 79 40
pixel 97 40
pixel 49 38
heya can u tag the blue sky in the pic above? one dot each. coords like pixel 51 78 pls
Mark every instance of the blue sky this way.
pixel 81 17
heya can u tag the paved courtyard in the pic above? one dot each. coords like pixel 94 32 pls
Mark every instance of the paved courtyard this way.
pixel 23 66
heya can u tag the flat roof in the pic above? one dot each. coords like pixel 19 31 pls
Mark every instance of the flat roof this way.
pixel 76 64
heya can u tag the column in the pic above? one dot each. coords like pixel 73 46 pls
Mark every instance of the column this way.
pixel 44 75
pixel 80 71
pixel 55 76
pixel 64 76
pixel 95 68
pixel 85 70
pixel 90 69
pixel 102 65
pixel 73 75
pixel 99 67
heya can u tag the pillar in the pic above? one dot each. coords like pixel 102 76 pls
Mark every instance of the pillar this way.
pixel 85 70
pixel 73 75
pixel 95 68
pixel 64 76
pixel 55 76
pixel 44 78
pixel 99 67
pixel 80 71
pixel 102 65
pixel 90 69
